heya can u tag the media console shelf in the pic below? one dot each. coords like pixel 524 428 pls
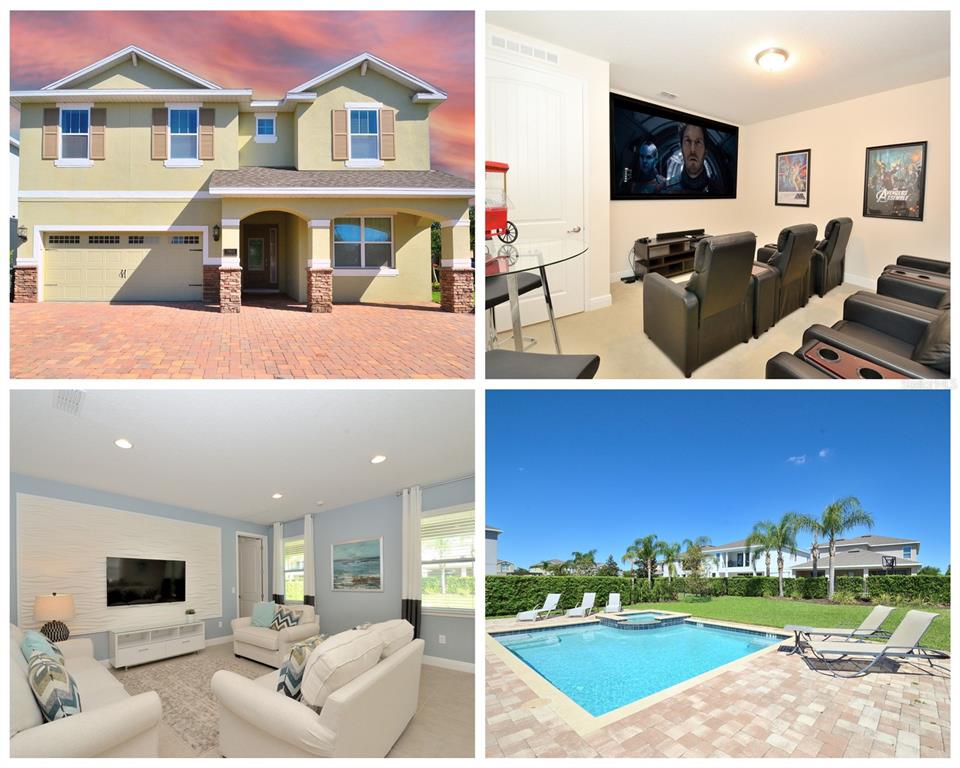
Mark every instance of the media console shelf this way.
pixel 130 647
pixel 669 254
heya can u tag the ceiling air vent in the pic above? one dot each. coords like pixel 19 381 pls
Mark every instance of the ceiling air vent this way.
pixel 68 400
pixel 524 49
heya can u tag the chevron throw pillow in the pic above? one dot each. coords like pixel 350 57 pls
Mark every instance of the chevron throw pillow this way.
pixel 53 687
pixel 284 618
pixel 291 673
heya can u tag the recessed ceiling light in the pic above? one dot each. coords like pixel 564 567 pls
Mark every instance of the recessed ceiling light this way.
pixel 378 459
pixel 772 59
pixel 278 495
pixel 123 443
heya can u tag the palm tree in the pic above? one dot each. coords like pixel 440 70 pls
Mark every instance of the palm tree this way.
pixel 776 537
pixel 584 563
pixel 759 537
pixel 812 524
pixel 643 551
pixel 670 552
pixel 692 558
pixel 838 518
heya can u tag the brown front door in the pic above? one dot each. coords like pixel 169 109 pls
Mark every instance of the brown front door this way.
pixel 259 258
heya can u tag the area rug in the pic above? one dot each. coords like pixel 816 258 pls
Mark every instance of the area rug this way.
pixel 183 683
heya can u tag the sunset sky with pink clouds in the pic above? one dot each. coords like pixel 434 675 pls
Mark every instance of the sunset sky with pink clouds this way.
pixel 270 52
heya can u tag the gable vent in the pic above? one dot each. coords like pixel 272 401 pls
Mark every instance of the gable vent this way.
pixel 524 49
pixel 68 400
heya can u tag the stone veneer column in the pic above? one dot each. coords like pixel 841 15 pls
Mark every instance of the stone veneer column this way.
pixel 319 268
pixel 228 274
pixel 456 274
pixel 25 284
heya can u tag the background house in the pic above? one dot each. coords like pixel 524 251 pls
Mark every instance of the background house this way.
pixel 867 555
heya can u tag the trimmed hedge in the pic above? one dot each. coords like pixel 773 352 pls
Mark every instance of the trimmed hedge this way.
pixel 511 594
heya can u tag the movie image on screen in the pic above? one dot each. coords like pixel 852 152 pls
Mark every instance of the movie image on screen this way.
pixel 658 153
pixel 133 581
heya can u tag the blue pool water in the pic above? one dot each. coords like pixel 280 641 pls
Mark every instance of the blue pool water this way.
pixel 602 668
pixel 647 617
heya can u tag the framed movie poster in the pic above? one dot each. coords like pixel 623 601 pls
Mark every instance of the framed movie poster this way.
pixel 893 181
pixel 357 566
pixel 793 178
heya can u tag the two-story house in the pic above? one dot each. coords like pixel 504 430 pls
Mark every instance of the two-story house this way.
pixel 736 558
pixel 140 181
pixel 867 555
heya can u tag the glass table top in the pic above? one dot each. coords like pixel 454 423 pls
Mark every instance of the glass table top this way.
pixel 529 253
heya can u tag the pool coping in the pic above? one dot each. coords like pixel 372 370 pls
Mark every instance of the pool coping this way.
pixel 581 721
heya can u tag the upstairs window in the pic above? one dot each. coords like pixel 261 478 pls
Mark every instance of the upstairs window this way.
pixel 906 553
pixel 183 134
pixel 266 129
pixel 74 134
pixel 364 134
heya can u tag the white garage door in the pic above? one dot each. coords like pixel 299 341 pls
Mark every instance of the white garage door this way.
pixel 126 266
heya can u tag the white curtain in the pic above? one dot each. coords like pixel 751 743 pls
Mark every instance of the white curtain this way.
pixel 278 563
pixel 309 567
pixel 410 595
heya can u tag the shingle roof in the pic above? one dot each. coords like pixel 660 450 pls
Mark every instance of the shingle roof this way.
pixel 862 557
pixel 870 538
pixel 731 545
pixel 286 178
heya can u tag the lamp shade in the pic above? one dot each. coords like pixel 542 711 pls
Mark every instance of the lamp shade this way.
pixel 53 607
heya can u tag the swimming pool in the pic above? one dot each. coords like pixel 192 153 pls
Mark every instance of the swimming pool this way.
pixel 602 668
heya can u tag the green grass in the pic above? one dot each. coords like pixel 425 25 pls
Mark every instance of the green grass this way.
pixel 772 612
pixel 436 295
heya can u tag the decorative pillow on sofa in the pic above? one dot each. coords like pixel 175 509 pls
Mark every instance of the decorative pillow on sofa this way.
pixel 284 618
pixel 337 661
pixel 33 642
pixel 55 691
pixel 263 614
pixel 396 633
pixel 291 673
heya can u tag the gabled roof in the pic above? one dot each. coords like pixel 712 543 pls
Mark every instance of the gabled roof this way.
pixel 130 52
pixel 870 539
pixel 424 91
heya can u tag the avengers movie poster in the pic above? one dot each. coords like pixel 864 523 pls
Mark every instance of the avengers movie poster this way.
pixel 658 153
pixel 893 183
pixel 793 178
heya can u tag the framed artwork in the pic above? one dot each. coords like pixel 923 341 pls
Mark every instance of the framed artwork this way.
pixel 894 176
pixel 357 566
pixel 793 178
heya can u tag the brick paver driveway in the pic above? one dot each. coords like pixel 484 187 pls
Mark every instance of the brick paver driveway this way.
pixel 772 706
pixel 269 338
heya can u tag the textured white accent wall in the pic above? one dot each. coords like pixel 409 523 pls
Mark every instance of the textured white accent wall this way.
pixel 62 546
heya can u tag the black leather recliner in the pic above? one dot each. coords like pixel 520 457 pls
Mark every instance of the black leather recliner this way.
pixel 712 312
pixel 919 262
pixel 829 255
pixel 791 258
pixel 913 289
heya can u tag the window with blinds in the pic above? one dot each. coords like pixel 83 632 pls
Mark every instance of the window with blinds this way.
pixel 293 570
pixel 447 561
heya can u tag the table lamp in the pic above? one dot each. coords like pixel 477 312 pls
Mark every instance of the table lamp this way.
pixel 53 609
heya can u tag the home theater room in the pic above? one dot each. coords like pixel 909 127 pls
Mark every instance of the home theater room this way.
pixel 718 194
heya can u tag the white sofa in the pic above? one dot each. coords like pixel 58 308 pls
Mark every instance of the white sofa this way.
pixel 111 722
pixel 268 646
pixel 364 718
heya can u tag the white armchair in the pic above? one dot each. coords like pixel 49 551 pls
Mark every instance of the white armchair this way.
pixel 257 721
pixel 268 646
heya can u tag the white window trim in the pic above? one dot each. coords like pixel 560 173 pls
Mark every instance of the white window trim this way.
pixel 182 162
pixel 361 106
pixel 72 162
pixel 363 271
pixel 456 613
pixel 285 572
pixel 266 138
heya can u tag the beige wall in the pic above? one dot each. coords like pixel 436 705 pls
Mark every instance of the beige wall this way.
pixel 315 132
pixel 277 155
pixel 127 152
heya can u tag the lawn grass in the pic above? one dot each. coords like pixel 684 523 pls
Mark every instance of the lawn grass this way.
pixel 773 612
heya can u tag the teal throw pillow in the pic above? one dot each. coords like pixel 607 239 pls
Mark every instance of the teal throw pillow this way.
pixel 33 642
pixel 263 614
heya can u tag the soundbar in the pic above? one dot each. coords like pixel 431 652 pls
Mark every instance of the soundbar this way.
pixel 682 233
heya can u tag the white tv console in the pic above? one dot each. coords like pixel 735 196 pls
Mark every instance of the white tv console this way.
pixel 130 647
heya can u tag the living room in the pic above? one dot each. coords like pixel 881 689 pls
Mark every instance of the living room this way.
pixel 242 573
pixel 751 199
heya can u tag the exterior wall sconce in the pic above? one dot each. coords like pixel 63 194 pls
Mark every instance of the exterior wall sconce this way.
pixel 22 233
pixel 216 233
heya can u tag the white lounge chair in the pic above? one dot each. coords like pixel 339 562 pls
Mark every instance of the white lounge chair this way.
pixel 869 628
pixel 550 605
pixel 613 603
pixel 585 606
pixel 903 643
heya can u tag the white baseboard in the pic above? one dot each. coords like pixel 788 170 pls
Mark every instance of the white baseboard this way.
pixel 439 661
pixel 219 640
pixel 860 282
pixel 599 302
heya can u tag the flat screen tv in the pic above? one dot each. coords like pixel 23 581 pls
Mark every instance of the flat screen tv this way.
pixel 134 581
pixel 658 153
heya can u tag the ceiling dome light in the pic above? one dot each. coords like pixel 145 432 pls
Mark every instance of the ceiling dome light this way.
pixel 319 503
pixel 277 496
pixel 123 443
pixel 772 59
pixel 378 459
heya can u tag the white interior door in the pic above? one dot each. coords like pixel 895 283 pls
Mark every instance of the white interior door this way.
pixel 535 124
pixel 250 573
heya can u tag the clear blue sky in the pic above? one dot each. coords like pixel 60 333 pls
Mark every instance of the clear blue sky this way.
pixel 574 470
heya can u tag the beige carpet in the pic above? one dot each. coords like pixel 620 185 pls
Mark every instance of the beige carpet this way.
pixel 442 727
pixel 616 334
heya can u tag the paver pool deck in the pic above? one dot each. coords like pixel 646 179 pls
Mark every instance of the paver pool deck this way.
pixel 767 705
